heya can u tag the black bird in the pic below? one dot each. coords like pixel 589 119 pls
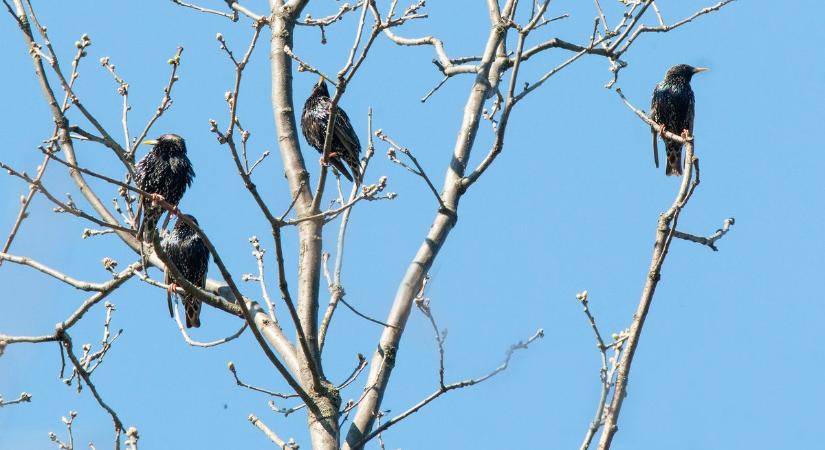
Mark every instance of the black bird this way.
pixel 164 171
pixel 188 252
pixel 672 107
pixel 345 144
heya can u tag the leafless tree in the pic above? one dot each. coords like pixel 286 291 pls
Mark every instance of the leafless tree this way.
pixel 515 36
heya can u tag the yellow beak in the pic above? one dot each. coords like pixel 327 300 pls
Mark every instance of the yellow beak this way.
pixel 150 142
pixel 700 69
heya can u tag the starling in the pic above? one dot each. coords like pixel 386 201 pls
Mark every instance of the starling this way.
pixel 165 171
pixel 672 107
pixel 188 252
pixel 345 144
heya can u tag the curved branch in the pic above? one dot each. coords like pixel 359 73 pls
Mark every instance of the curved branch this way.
pixel 443 389
pixel 75 283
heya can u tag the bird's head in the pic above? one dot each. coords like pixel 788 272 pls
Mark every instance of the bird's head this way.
pixel 171 143
pixel 320 88
pixel 182 229
pixel 683 71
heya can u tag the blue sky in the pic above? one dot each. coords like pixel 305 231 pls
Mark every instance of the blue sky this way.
pixel 731 354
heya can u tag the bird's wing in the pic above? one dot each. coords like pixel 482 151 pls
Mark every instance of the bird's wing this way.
pixel 346 134
pixel 690 113
pixel 200 253
pixel 317 127
pixel 197 265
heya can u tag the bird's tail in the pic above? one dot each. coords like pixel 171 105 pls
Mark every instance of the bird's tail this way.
pixel 339 165
pixel 674 159
pixel 192 308
pixel 655 147
pixel 356 172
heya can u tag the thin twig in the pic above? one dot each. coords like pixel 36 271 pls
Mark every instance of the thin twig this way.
pixel 165 102
pixel 25 397
pixel 335 284
pixel 449 387
pixel 75 283
pixel 214 343
pixel 710 241
pixel 606 374
pixel 233 17
pixel 362 363
pixel 271 434
pixel 240 383
pixel 364 316
pixel 418 169
pixel 67 343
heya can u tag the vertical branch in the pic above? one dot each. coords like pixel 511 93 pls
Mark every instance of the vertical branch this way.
pixel 664 236
pixel 383 360
pixel 323 424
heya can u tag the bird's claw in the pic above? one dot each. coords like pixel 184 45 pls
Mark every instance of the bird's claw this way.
pixel 325 161
pixel 156 198
pixel 686 134
pixel 172 288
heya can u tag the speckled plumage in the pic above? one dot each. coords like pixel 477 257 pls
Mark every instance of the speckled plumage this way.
pixel 165 170
pixel 345 143
pixel 188 252
pixel 673 106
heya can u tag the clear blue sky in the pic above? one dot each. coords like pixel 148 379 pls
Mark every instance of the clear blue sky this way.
pixel 731 356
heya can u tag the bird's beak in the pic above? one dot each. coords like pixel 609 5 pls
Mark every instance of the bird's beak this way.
pixel 320 81
pixel 150 142
pixel 699 69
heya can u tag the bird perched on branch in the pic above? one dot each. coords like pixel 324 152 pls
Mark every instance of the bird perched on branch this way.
pixel 190 255
pixel 672 107
pixel 345 145
pixel 165 172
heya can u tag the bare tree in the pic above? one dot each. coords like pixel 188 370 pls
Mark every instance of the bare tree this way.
pixel 496 90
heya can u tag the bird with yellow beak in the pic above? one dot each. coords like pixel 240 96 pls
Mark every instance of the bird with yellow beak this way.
pixel 165 172
pixel 672 107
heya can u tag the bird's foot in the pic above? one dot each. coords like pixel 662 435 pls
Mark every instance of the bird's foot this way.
pixel 662 130
pixel 686 134
pixel 325 161
pixel 172 288
pixel 156 199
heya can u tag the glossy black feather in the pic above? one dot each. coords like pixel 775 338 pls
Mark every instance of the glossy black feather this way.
pixel 165 170
pixel 191 256
pixel 673 105
pixel 345 143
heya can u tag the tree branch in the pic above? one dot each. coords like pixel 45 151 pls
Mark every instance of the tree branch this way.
pixel 449 387
pixel 25 397
pixel 665 232
pixel 271 434
pixel 710 241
